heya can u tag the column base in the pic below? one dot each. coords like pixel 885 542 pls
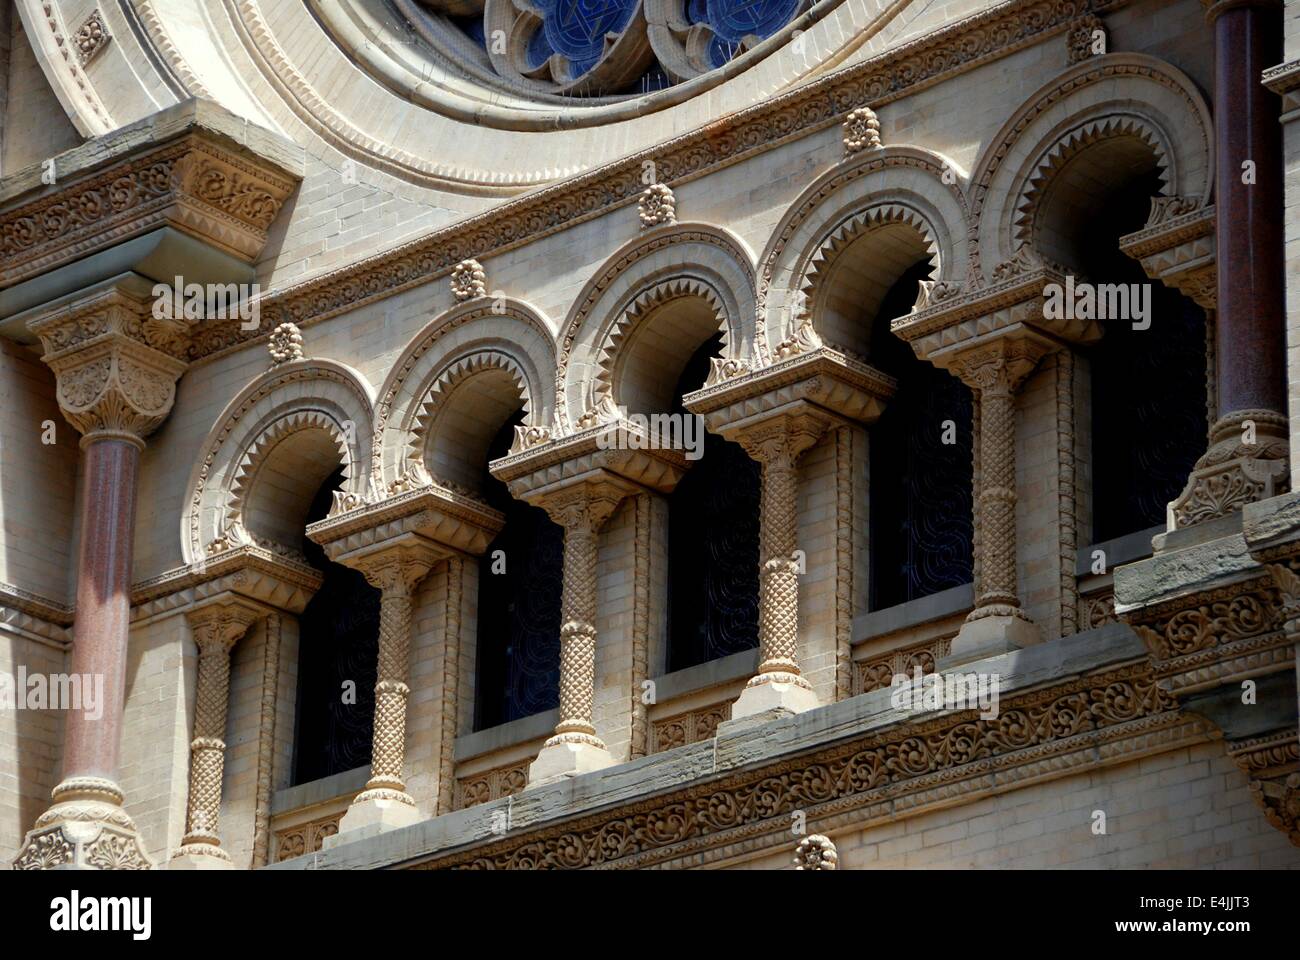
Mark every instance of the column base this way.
pixel 85 829
pixel 568 755
pixel 990 634
pixel 777 694
pixel 373 812
pixel 199 856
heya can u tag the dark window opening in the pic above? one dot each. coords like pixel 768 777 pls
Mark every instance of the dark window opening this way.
pixel 518 662
pixel 713 526
pixel 338 650
pixel 1148 386
pixel 920 487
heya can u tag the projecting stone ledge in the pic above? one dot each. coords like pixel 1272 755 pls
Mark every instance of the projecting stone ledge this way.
pixel 710 796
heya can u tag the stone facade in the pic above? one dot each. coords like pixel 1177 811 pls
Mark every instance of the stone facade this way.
pixel 398 303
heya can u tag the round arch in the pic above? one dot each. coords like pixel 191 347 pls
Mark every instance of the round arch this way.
pixel 1129 109
pixel 494 351
pixel 687 278
pixel 260 463
pixel 853 231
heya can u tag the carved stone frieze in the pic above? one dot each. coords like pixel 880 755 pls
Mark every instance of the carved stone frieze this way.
pixel 503 781
pixel 196 183
pixel 876 774
pixel 691 726
pixel 1273 765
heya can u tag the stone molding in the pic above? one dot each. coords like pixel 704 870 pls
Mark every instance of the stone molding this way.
pixel 1273 764
pixel 195 183
pixel 1110 716
pixel 248 571
pixel 1177 248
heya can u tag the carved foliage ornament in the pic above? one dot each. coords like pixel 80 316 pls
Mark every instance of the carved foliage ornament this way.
pixel 816 852
pixel 91 37
pixel 657 205
pixel 468 280
pixel 861 131
pixel 890 764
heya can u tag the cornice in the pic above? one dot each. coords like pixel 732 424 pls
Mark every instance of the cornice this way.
pixel 195 183
pixel 248 570
pixel 1110 716
pixel 896 73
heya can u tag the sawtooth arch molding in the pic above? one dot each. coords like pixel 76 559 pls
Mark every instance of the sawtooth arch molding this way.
pixel 898 190
pixel 1118 95
pixel 315 409
pixel 681 260
pixel 464 342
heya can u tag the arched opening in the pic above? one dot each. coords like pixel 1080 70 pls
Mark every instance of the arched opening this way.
pixel 338 649
pixel 521 578
pixel 1148 374
pixel 458 441
pixel 921 524
pixel 859 279
pixel 713 535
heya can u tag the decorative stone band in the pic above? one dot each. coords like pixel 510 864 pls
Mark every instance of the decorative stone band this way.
pixel 1219 635
pixel 200 182
pixel 116 367
pixel 1248 461
pixel 1111 716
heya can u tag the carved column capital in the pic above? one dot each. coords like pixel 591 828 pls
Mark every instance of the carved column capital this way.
pixel 778 441
pixel 582 508
pixel 998 368
pixel 217 626
pixel 396 567
pixel 116 367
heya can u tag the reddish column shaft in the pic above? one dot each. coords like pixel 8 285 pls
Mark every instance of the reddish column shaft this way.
pixel 103 604
pixel 1249 232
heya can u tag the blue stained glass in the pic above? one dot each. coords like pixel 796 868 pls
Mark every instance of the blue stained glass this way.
pixel 577 28
pixel 735 19
pixel 539 51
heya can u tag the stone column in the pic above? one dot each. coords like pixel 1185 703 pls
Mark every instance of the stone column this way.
pixel 995 371
pixel 394 569
pixel 582 510
pixel 216 628
pixel 115 390
pixel 777 444
pixel 1247 458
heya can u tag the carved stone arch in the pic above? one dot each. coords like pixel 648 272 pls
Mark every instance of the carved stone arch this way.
pixel 610 387
pixel 692 262
pixel 321 409
pixel 482 337
pixel 1135 109
pixel 472 396
pixel 916 191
